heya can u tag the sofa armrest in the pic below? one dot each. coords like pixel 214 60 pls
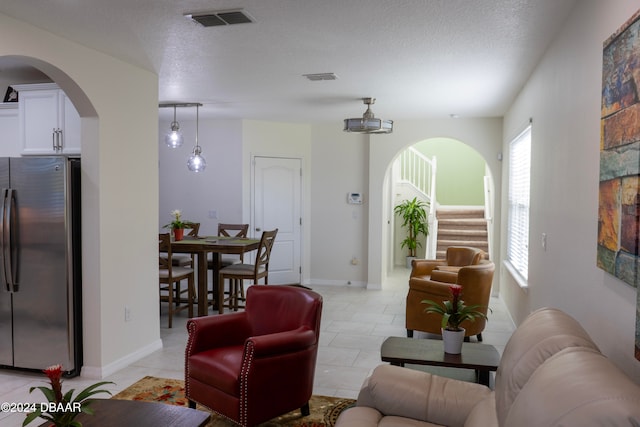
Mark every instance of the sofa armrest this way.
pixel 444 276
pixel 404 392
pixel 282 342
pixel 430 288
pixel 217 331
pixel 424 267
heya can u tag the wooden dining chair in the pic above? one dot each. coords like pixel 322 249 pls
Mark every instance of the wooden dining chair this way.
pixel 186 260
pixel 170 277
pixel 227 230
pixel 238 273
pixel 230 230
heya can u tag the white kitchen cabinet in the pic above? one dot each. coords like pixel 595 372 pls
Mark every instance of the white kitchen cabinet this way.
pixel 9 143
pixel 48 121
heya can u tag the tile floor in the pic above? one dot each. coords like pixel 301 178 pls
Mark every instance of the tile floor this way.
pixel 355 322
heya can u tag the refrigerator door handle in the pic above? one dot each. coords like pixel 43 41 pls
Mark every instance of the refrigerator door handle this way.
pixel 5 265
pixel 11 247
pixel 9 253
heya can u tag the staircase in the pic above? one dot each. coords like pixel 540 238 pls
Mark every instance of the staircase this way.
pixel 461 226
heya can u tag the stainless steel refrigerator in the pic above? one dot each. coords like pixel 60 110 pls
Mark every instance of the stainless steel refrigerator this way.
pixel 40 265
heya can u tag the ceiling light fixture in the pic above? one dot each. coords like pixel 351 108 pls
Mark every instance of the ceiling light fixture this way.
pixel 368 123
pixel 196 162
pixel 174 138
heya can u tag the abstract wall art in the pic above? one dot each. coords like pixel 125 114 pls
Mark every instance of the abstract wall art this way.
pixel 619 201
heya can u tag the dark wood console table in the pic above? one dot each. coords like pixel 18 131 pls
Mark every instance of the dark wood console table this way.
pixel 118 413
pixel 482 358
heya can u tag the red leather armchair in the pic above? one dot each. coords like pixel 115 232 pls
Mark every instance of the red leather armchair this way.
pixel 254 365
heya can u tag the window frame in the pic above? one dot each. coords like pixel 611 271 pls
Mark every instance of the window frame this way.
pixel 518 206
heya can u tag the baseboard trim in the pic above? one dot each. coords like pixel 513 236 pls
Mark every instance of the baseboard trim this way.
pixel 327 282
pixel 100 372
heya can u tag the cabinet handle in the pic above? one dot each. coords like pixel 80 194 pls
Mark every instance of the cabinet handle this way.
pixel 53 139
pixel 60 139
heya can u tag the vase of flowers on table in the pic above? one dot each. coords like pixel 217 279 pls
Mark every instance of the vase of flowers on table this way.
pixel 177 225
pixel 453 313
pixel 61 409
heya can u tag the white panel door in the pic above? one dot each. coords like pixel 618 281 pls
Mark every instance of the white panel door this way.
pixel 277 204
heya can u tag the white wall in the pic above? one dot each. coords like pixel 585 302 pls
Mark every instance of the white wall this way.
pixel 118 106
pixel 338 229
pixel 563 98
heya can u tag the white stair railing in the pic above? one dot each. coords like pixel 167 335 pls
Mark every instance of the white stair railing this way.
pixel 419 171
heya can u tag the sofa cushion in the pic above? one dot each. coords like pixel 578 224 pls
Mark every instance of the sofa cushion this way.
pixel 577 386
pixel 396 391
pixel 544 333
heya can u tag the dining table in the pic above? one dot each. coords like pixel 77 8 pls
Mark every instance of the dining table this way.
pixel 201 246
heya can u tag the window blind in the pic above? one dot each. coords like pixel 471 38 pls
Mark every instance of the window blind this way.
pixel 518 216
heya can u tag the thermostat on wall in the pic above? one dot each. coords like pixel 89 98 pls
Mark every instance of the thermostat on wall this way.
pixel 354 198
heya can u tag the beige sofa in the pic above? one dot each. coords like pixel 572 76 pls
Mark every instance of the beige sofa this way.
pixel 551 374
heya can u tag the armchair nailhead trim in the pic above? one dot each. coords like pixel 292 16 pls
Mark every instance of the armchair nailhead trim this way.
pixel 191 327
pixel 249 351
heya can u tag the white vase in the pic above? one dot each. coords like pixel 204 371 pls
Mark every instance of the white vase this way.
pixel 453 341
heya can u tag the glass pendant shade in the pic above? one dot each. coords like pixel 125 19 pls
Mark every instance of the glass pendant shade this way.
pixel 174 138
pixel 196 162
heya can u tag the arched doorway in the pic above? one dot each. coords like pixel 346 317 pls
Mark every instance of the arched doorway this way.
pixel 462 182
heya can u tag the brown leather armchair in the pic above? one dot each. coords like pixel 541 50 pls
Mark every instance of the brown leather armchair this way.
pixel 457 256
pixel 476 290
pixel 254 365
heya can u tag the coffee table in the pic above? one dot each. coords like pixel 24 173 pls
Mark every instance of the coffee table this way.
pixel 482 358
pixel 113 412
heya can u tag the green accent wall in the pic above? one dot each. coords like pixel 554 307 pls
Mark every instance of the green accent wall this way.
pixel 460 174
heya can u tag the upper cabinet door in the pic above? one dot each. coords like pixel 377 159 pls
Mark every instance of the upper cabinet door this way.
pixel 38 118
pixel 49 124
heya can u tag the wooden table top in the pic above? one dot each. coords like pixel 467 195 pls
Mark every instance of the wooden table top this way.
pixel 113 412
pixel 215 244
pixel 401 350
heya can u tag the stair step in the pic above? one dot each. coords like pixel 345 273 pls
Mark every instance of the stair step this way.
pixel 473 243
pixel 470 212
pixel 482 234
pixel 466 221
pixel 461 226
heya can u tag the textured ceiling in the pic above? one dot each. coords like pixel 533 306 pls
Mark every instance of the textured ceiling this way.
pixel 419 58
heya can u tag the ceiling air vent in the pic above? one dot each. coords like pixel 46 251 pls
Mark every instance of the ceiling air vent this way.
pixel 226 17
pixel 320 76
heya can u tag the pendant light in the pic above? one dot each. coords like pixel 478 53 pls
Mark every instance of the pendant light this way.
pixel 174 138
pixel 196 162
pixel 368 123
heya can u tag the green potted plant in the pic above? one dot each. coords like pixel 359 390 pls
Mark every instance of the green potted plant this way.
pixel 414 219
pixel 453 313
pixel 61 409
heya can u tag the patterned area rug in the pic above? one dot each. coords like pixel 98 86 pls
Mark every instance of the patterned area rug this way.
pixel 324 409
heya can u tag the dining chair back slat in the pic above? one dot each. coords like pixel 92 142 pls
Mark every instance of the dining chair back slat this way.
pixel 238 273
